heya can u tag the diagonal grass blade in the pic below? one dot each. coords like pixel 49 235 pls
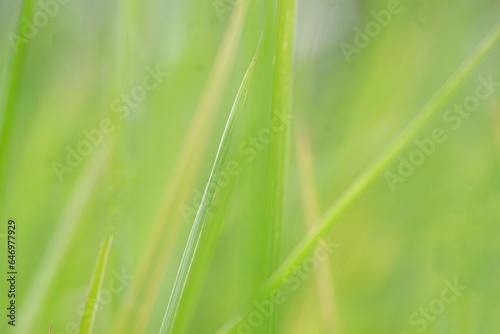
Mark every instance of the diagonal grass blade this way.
pixel 190 251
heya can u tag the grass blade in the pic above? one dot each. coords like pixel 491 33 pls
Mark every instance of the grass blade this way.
pixel 279 141
pixel 190 157
pixel 375 168
pixel 90 310
pixel 281 105
pixel 196 233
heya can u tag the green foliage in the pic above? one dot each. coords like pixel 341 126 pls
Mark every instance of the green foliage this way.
pixel 111 118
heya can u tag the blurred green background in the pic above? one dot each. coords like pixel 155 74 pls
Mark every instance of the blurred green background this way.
pixel 397 248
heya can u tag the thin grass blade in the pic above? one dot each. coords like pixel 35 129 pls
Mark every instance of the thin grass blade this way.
pixel 95 287
pixel 190 251
pixel 181 182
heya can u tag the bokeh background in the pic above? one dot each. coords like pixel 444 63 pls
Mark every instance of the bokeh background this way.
pixel 141 182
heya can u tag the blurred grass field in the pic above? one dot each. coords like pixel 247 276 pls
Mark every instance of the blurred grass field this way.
pixel 142 182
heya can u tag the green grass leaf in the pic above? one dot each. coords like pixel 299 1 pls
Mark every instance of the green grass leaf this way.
pixel 183 176
pixel 279 139
pixel 93 295
pixel 279 142
pixel 190 251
